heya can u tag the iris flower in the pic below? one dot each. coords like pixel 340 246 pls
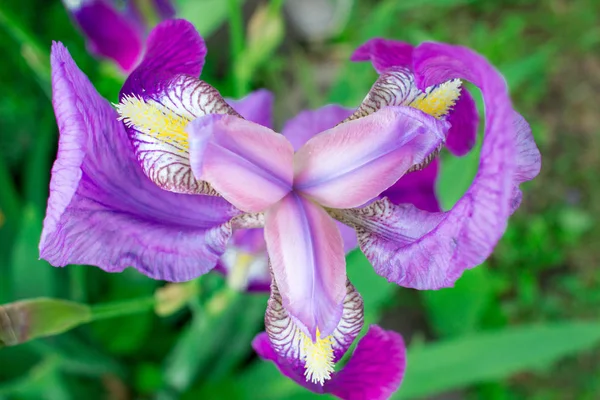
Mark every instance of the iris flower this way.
pixel 114 33
pixel 164 188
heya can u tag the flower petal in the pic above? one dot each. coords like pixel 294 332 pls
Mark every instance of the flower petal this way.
pixel 165 8
pixel 307 124
pixel 256 107
pixel 384 54
pixel 389 55
pixel 431 250
pixel 354 162
pixel 529 159
pixel 283 341
pixel 307 256
pixel 464 120
pixel 157 124
pixel 172 48
pixel 103 210
pixel 417 188
pixel 248 164
pixel 108 33
pixel 374 371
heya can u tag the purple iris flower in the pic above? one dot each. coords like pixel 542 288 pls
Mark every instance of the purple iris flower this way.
pixel 117 34
pixel 165 190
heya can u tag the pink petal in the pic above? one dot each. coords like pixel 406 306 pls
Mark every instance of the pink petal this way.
pixel 248 164
pixel 354 162
pixel 307 257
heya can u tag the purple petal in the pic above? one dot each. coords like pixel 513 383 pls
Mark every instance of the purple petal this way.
pixel 283 341
pixel 307 124
pixel 384 54
pixel 172 48
pixel 354 162
pixel 248 164
pixel 431 250
pixel 307 257
pixel 417 188
pixel 103 210
pixel 256 107
pixel 374 371
pixel 109 33
pixel 529 159
pixel 464 120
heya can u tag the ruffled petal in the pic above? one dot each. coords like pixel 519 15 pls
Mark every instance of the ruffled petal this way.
pixel 285 343
pixel 109 33
pixel 384 54
pixel 529 159
pixel 256 107
pixel 307 124
pixel 464 120
pixel 417 188
pixel 307 257
pixel 374 371
pixel 431 250
pixel 248 164
pixel 172 48
pixel 354 162
pixel 103 210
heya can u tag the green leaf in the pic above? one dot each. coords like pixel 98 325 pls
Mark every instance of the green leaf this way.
pixel 488 356
pixel 458 310
pixel 31 277
pixel 206 15
pixel 26 320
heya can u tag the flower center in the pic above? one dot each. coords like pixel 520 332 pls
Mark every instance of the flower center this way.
pixel 153 119
pixel 318 357
pixel 437 100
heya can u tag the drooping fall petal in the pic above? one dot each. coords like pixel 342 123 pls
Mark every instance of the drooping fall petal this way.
pixel 354 162
pixel 104 211
pixel 248 164
pixel 431 250
pixel 307 257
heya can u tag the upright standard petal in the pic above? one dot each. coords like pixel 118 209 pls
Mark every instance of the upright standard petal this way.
pixel 307 257
pixel 417 188
pixel 172 48
pixel 103 211
pixel 307 124
pixel 248 164
pixel 354 162
pixel 256 107
pixel 108 33
pixel 464 121
pixel 385 54
pixel 429 251
pixel 307 361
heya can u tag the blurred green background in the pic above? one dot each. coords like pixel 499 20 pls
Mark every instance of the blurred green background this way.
pixel 525 325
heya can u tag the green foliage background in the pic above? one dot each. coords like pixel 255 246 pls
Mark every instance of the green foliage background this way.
pixel 523 325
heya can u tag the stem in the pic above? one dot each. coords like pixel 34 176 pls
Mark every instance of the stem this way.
pixel 236 34
pixel 121 308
